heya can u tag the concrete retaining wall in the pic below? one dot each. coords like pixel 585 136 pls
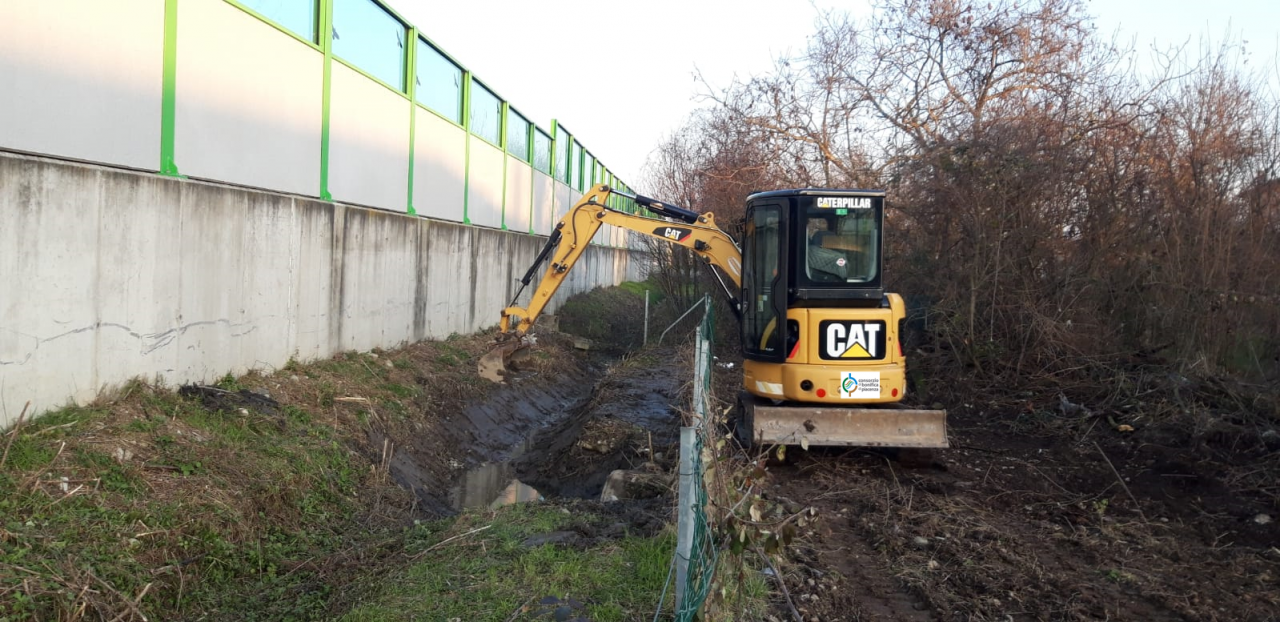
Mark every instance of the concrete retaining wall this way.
pixel 110 275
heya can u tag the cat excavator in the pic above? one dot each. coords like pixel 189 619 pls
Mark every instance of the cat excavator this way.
pixel 821 339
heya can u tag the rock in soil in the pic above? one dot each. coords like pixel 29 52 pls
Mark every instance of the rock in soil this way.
pixel 624 484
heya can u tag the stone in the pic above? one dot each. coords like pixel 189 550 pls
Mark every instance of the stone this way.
pixel 623 484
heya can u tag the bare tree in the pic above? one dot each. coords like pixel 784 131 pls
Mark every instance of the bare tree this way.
pixel 1052 209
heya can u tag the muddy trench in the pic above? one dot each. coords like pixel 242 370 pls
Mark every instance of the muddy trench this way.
pixel 544 435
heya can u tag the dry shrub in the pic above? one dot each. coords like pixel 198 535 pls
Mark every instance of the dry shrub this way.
pixel 1054 212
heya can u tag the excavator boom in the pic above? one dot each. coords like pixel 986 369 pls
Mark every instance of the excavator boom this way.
pixel 569 240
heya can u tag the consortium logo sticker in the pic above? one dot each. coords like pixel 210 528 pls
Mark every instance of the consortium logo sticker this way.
pixel 859 384
pixel 850 384
pixel 845 340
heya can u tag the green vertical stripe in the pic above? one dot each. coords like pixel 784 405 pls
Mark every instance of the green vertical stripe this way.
pixel 411 69
pixel 533 172
pixel 466 157
pixel 502 142
pixel 326 43
pixel 169 95
pixel 555 138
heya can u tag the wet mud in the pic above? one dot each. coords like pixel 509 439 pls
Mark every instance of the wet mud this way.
pixel 546 434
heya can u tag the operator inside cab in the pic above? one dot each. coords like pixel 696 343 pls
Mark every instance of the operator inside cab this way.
pixel 842 245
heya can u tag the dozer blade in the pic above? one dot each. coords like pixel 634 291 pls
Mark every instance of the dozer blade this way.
pixel 853 427
pixel 494 366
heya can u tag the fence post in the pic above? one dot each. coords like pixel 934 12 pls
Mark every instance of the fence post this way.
pixel 646 318
pixel 685 516
pixel 690 490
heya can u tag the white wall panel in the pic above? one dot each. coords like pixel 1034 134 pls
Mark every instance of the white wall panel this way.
pixel 82 79
pixel 543 204
pixel 248 101
pixel 368 142
pixel 439 167
pixel 562 203
pixel 484 200
pixel 519 195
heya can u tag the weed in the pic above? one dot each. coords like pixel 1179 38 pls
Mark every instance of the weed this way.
pixel 400 390
pixel 143 424
pixel 1116 575
pixel 395 408
pixel 114 476
pixel 327 394
pixel 297 415
pixel 229 383
pixel 615 580
pixel 28 454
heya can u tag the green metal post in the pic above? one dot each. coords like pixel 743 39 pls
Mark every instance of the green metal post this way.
pixel 466 164
pixel 531 145
pixel 502 144
pixel 555 138
pixel 169 95
pixel 411 79
pixel 326 44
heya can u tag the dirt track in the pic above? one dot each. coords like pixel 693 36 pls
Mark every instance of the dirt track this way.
pixel 1008 526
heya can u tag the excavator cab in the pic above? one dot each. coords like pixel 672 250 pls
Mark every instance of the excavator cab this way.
pixel 821 337
pixel 806 248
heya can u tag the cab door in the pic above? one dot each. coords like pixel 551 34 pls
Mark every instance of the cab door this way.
pixel 764 282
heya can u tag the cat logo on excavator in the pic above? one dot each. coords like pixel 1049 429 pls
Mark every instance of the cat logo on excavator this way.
pixel 673 233
pixel 844 339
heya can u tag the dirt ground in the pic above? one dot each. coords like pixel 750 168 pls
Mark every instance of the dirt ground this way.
pixel 1026 519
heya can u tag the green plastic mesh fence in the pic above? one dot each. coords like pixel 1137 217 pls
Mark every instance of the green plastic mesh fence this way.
pixel 702 552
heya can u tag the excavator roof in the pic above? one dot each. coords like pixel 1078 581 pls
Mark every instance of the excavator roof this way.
pixel 826 192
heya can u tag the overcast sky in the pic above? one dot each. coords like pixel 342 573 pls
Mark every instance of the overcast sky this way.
pixel 620 74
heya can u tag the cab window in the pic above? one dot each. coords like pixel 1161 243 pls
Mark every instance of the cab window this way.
pixel 842 246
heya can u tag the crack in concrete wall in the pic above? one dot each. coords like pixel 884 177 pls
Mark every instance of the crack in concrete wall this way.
pixel 111 275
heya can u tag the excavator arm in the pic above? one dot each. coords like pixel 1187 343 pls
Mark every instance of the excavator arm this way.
pixel 569 240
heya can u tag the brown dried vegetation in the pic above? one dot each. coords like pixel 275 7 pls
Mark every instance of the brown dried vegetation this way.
pixel 1057 209
pixel 1090 248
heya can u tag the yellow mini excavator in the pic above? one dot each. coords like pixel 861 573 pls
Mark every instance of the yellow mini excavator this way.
pixel 820 337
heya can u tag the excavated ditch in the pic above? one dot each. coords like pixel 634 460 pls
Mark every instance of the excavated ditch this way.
pixel 552 433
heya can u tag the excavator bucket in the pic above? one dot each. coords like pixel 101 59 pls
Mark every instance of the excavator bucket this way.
pixel 495 365
pixel 887 426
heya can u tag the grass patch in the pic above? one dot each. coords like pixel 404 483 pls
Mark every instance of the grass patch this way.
pixel 188 511
pixel 223 505
pixel 491 575
pixel 611 316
